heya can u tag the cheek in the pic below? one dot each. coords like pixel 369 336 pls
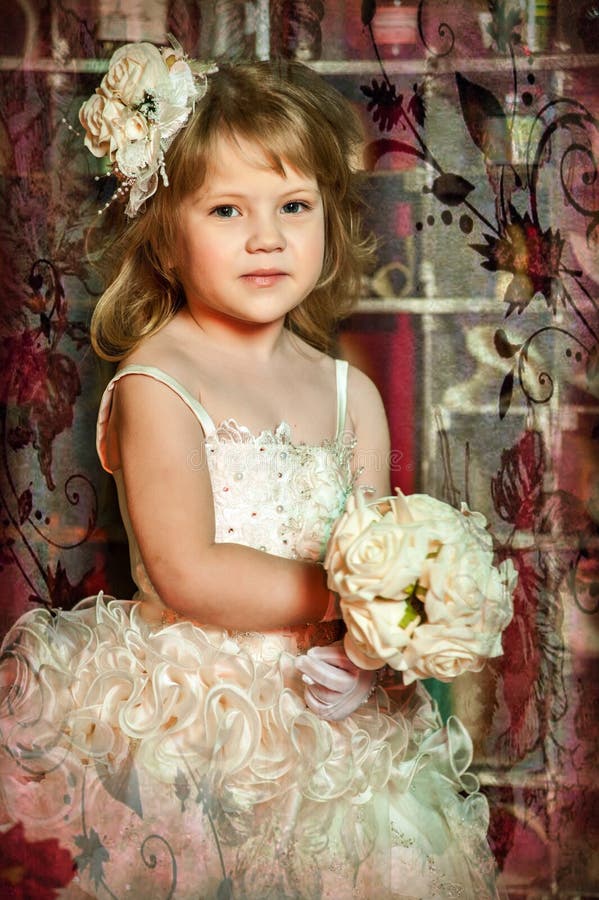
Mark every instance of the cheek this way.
pixel 316 247
pixel 202 252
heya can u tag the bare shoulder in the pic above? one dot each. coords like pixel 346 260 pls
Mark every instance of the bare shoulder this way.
pixel 364 398
pixel 369 422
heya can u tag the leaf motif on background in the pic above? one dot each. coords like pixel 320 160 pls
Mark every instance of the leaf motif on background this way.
pixel 61 593
pixel 45 390
pixel 376 149
pixel 182 788
pixel 225 890
pixel 384 103
pixel 367 11
pixel 504 347
pixel 521 666
pixel 486 120
pixel 517 489
pixel 451 189
pixel 417 104
pixel 25 505
pixel 505 394
pixel 506 17
pixel 122 784
pixel 93 854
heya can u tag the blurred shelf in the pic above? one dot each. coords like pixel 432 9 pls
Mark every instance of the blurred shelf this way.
pixel 448 65
pixel 421 306
pixel 68 67
pixel 430 65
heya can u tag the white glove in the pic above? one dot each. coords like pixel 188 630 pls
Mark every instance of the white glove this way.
pixel 335 687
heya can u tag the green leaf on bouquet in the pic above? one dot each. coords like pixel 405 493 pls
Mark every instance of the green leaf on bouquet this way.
pixel 409 616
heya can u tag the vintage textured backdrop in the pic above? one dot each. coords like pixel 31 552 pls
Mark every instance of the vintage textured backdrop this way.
pixel 479 324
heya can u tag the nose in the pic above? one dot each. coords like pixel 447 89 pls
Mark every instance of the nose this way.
pixel 265 234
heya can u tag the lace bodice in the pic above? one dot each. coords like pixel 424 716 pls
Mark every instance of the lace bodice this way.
pixel 269 493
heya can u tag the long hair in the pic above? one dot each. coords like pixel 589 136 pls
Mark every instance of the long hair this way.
pixel 293 116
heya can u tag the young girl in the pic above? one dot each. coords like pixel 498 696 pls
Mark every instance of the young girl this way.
pixel 171 743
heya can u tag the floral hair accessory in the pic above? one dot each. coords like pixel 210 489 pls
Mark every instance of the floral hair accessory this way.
pixel 143 101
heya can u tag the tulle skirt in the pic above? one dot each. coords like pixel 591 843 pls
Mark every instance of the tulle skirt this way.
pixel 180 761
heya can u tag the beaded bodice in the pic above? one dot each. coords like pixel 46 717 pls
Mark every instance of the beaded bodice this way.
pixel 273 494
pixel 269 493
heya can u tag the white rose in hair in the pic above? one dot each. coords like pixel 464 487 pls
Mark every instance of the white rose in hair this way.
pixel 135 126
pixel 134 70
pixel 101 119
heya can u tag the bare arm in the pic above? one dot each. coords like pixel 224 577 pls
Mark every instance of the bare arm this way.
pixel 369 422
pixel 170 504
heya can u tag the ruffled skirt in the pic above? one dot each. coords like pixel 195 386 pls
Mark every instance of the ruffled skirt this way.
pixel 178 761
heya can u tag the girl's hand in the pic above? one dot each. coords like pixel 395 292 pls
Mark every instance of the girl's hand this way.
pixel 335 687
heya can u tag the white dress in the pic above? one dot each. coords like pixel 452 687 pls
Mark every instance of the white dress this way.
pixel 180 761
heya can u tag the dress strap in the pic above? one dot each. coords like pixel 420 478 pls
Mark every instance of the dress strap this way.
pixel 341 370
pixel 194 405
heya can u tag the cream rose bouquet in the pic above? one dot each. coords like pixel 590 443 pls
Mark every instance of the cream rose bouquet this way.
pixel 418 588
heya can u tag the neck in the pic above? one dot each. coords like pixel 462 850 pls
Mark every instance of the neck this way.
pixel 234 337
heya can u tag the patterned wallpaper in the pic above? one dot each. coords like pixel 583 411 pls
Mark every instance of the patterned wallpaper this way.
pixel 479 323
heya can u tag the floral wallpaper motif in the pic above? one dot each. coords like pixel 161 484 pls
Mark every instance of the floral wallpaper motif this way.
pixel 539 157
pixel 480 324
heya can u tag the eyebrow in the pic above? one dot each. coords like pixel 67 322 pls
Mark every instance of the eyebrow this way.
pixel 237 195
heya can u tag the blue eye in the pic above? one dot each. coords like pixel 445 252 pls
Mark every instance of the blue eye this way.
pixel 225 212
pixel 295 206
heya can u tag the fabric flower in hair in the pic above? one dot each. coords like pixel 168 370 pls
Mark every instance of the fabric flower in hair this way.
pixel 143 101
pixel 134 69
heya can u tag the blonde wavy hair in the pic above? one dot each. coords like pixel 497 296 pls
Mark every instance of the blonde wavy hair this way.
pixel 294 116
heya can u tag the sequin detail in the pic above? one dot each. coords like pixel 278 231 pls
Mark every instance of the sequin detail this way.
pixel 273 478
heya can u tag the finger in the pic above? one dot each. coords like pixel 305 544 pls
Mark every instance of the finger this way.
pixel 335 655
pixel 318 707
pixel 328 675
pixel 323 694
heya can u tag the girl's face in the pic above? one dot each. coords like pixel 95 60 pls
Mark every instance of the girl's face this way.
pixel 251 241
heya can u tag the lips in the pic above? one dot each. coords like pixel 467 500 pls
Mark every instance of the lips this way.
pixel 263 277
pixel 260 272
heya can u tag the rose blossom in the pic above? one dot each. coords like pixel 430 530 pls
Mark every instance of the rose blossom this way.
pixel 134 69
pixel 374 636
pixel 135 126
pixel 101 119
pixel 369 555
pixel 464 584
pixel 418 587
pixel 436 651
